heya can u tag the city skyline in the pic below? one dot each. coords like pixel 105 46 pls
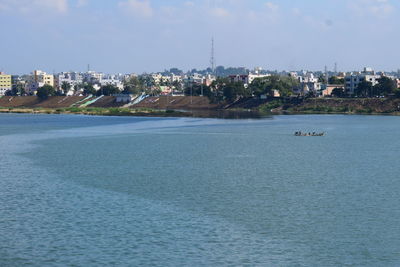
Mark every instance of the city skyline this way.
pixel 149 36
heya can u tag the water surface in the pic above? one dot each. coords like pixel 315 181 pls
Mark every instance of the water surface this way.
pixel 89 191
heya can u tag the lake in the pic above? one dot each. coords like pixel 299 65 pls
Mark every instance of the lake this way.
pixel 126 191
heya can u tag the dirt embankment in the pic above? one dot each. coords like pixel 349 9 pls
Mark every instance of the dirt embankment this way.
pixel 176 102
pixel 35 102
pixel 55 102
pixel 161 102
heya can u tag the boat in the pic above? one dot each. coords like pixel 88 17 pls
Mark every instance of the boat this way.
pixel 300 133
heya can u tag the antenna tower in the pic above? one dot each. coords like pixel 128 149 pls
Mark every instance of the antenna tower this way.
pixel 212 59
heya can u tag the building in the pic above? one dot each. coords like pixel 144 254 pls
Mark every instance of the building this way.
pixel 352 80
pixel 38 79
pixel 5 83
pixel 72 78
pixel 92 77
pixel 247 79
pixel 112 80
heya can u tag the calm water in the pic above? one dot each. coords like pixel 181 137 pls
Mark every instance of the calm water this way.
pixel 95 191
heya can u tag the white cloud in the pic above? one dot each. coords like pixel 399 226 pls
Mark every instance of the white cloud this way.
pixel 220 12
pixel 189 4
pixel 82 3
pixel 271 6
pixel 376 8
pixel 60 6
pixel 139 8
pixel 28 6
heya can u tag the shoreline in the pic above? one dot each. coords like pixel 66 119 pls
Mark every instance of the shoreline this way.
pixel 214 113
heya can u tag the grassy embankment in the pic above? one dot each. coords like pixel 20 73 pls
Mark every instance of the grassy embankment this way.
pixel 335 106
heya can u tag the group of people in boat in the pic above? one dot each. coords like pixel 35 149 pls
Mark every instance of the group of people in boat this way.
pixel 300 133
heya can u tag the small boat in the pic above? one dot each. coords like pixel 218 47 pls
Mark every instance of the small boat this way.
pixel 300 133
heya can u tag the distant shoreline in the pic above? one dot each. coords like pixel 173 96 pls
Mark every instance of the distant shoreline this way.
pixel 221 114
pixel 201 107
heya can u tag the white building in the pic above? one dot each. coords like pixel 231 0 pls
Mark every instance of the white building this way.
pixel 92 76
pixel 112 79
pixel 72 78
pixel 354 79
pixel 247 79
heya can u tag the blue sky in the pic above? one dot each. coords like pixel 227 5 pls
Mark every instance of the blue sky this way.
pixel 152 35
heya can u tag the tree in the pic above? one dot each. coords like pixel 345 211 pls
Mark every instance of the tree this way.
pixel 45 91
pixel 177 86
pixel 261 86
pixel 338 92
pixel 235 90
pixel 322 78
pixel 133 86
pixel 108 90
pixel 335 80
pixel 385 86
pixel 198 89
pixel 364 89
pixel 17 89
pixel 266 85
pixel 65 86
pixel 88 89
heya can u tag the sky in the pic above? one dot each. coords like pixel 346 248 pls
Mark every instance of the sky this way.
pixel 136 36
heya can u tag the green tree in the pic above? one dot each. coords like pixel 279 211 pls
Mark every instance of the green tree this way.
pixel 322 78
pixel 198 89
pixel 17 89
pixel 235 90
pixel 261 86
pixel 108 90
pixel 65 86
pixel 336 80
pixel 88 89
pixel 338 92
pixel 45 91
pixel 385 86
pixel 364 89
pixel 265 86
pixel 133 86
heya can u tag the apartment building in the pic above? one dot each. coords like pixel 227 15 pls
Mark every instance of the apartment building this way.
pixel 38 79
pixel 5 83
pixel 352 80
pixel 246 79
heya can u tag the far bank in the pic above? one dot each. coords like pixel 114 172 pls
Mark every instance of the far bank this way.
pixel 197 106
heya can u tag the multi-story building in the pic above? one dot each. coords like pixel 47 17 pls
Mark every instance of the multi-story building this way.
pixel 38 79
pixel 5 83
pixel 92 77
pixel 352 80
pixel 247 79
pixel 72 78
pixel 112 80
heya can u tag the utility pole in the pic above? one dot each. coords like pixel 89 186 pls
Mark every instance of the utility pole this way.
pixel 326 74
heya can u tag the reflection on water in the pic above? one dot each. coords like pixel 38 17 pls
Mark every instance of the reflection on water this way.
pixel 229 114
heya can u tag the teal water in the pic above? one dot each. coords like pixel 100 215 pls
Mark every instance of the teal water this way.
pixel 105 191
